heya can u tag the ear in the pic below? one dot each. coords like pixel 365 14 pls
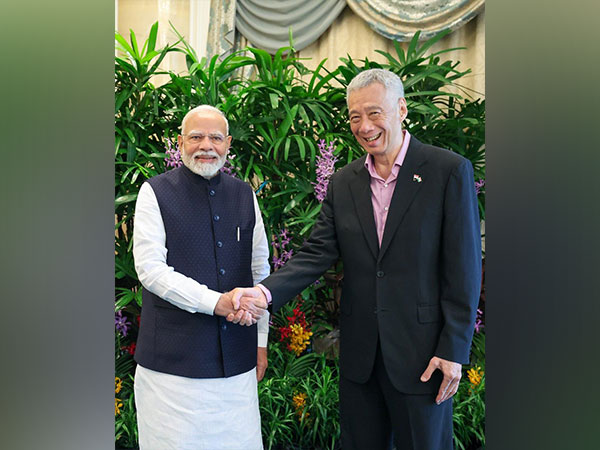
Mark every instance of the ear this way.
pixel 179 142
pixel 402 109
pixel 229 139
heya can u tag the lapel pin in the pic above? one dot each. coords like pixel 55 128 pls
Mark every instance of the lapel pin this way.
pixel 417 178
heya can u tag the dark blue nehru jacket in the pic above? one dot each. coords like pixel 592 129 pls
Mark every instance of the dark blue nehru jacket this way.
pixel 201 219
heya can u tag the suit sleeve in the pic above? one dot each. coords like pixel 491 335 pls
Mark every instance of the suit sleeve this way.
pixel 312 260
pixel 460 265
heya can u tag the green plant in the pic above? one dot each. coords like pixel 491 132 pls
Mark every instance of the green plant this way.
pixel 469 413
pixel 298 401
pixel 126 433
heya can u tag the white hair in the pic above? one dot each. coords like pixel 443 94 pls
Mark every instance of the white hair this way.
pixel 390 81
pixel 205 108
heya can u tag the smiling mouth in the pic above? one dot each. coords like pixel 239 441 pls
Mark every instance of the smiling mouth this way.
pixel 373 138
pixel 204 158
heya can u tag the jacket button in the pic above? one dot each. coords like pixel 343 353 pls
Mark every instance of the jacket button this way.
pixel 211 192
pixel 219 244
pixel 216 218
pixel 224 326
pixel 222 271
pixel 380 274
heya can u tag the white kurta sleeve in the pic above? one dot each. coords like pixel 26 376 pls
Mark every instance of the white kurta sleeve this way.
pixel 260 267
pixel 150 256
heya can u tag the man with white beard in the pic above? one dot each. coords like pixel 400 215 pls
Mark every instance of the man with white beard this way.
pixel 198 233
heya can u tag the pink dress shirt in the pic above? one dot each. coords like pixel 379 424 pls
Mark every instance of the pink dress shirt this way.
pixel 382 190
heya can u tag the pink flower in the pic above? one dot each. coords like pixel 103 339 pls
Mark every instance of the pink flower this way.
pixel 325 168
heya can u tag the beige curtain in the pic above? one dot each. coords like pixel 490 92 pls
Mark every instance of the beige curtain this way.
pixel 351 35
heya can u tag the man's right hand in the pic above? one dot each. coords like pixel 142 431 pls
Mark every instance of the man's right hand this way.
pixel 241 305
pixel 250 296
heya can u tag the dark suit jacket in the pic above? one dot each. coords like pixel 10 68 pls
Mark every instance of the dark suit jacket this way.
pixel 418 293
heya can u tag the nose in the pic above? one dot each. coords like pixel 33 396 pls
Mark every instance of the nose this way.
pixel 365 126
pixel 205 144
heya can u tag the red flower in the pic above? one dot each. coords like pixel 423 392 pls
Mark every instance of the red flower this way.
pixel 297 318
pixel 130 348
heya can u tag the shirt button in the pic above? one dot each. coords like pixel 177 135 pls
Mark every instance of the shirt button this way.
pixel 380 274
pixel 385 209
pixel 385 185
pixel 211 192
pixel 216 218
pixel 222 271
pixel 219 244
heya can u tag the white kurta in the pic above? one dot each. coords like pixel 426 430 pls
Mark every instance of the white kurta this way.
pixel 176 412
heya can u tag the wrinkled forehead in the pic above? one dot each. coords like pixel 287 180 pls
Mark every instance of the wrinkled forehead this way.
pixel 204 122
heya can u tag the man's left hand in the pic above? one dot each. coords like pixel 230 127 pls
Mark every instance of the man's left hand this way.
pixel 261 362
pixel 452 373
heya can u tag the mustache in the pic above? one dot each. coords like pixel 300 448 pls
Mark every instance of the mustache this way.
pixel 205 153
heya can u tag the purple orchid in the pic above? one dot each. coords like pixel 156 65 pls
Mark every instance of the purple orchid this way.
pixel 325 168
pixel 479 321
pixel 284 255
pixel 121 323
pixel 173 158
pixel 228 167
pixel 478 185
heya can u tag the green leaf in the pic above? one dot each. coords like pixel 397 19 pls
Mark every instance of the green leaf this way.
pixel 287 121
pixel 149 56
pixel 292 204
pixel 400 53
pixel 274 100
pixel 152 37
pixel 276 146
pixel 136 53
pixel 431 42
pixel 300 144
pixel 286 149
pixel 128 198
pixel 124 44
pixel 393 61
pixel 413 44
pixel 130 135
pixel 303 115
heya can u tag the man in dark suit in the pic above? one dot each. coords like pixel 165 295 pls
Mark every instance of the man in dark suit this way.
pixel 404 220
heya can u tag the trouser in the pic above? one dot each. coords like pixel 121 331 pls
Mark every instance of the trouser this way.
pixel 376 416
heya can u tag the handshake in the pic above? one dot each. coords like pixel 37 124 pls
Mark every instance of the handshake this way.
pixel 243 306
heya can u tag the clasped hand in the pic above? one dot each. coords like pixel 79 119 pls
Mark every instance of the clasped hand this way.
pixel 243 306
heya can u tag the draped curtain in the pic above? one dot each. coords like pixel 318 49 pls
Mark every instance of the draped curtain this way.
pixel 399 20
pixel 267 23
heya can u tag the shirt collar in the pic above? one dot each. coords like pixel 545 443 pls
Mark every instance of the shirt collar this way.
pixel 370 164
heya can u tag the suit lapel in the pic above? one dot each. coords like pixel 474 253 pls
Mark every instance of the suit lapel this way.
pixel 404 192
pixel 361 195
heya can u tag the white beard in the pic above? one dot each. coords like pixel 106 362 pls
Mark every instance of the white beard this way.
pixel 204 169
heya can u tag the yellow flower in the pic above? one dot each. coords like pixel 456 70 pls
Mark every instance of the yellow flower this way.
pixel 475 375
pixel 118 385
pixel 299 401
pixel 118 406
pixel 299 338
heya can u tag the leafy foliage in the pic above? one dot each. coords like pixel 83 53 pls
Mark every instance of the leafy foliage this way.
pixel 316 425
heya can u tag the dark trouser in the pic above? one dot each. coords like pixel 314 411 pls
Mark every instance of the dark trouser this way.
pixel 374 415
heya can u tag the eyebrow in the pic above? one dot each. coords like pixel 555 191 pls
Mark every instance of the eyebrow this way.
pixel 367 108
pixel 202 132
